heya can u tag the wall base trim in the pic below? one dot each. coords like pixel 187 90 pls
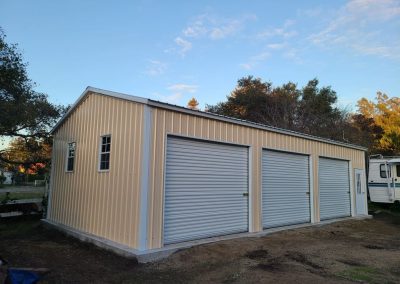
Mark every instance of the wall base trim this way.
pixel 144 256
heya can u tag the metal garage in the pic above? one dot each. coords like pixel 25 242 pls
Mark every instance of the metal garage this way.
pixel 206 190
pixel 334 188
pixel 176 174
pixel 285 189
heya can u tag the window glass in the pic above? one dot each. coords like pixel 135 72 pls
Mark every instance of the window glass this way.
pixel 71 156
pixel 383 170
pixel 105 149
pixel 398 170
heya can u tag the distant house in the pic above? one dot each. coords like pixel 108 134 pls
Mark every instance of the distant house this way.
pixel 143 175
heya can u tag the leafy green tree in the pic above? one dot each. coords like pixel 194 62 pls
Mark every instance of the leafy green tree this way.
pixel 317 113
pixel 24 112
pixel 257 101
pixel 311 110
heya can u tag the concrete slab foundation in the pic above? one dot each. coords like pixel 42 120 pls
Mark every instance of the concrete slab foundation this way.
pixel 157 254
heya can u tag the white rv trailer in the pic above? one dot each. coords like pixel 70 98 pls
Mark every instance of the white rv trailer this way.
pixel 384 179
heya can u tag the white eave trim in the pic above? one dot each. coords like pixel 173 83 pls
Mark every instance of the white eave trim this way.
pixel 253 125
pixel 199 113
pixel 97 91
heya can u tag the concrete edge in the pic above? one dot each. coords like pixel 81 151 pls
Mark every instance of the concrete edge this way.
pixel 151 255
pixel 117 248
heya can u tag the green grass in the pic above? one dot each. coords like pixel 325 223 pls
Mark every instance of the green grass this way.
pixel 362 273
pixel 22 195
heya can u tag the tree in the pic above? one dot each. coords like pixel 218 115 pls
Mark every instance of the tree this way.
pixel 29 152
pixel 317 113
pixel 25 113
pixel 247 101
pixel 363 131
pixel 385 113
pixel 193 104
pixel 311 110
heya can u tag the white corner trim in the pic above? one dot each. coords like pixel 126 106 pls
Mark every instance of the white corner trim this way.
pixel 250 196
pixel 352 190
pixel 145 175
pixel 311 185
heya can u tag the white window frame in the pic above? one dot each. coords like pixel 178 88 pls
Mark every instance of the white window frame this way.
pixel 68 157
pixel 100 153
pixel 387 171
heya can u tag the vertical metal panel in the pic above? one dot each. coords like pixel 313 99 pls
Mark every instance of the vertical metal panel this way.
pixel 204 188
pixel 106 204
pixel 100 203
pixel 242 135
pixel 334 188
pixel 285 189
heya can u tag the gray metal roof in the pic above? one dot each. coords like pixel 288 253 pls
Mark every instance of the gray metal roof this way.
pixel 209 115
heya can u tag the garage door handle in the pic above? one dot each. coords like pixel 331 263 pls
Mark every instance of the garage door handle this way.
pixel 245 194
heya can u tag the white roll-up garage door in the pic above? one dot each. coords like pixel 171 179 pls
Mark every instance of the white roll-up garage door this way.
pixel 334 188
pixel 285 189
pixel 206 190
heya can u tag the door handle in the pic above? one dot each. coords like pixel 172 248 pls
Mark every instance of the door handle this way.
pixel 245 194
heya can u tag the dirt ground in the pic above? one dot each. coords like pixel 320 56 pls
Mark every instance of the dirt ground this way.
pixel 363 251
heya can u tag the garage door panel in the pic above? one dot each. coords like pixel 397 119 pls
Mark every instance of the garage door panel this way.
pixel 334 188
pixel 204 189
pixel 285 187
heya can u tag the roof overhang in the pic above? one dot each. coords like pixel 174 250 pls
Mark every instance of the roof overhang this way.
pixel 89 90
pixel 209 115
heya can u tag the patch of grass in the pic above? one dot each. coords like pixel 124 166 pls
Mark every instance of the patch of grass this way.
pixel 22 195
pixel 362 273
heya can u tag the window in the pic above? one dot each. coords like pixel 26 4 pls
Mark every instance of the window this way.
pixel 382 169
pixel 71 156
pixel 105 148
pixel 398 170
pixel 358 179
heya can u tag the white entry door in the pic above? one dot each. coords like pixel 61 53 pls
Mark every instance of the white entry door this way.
pixel 361 195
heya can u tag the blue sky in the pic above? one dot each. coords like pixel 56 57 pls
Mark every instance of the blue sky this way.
pixel 173 50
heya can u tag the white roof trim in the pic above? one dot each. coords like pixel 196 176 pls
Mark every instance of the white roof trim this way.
pixel 98 91
pixel 200 113
pixel 392 161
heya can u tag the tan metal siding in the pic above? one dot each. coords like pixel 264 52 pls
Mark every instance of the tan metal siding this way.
pixel 100 203
pixel 167 121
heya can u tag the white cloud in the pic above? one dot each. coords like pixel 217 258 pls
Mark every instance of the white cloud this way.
pixel 184 45
pixel 197 28
pixel 209 27
pixel 255 60
pixel 214 27
pixel 182 88
pixel 226 30
pixel 177 93
pixel 285 31
pixel 156 68
pixel 368 27
pixel 276 46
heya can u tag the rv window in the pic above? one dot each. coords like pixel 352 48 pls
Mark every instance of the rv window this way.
pixel 398 170
pixel 383 170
